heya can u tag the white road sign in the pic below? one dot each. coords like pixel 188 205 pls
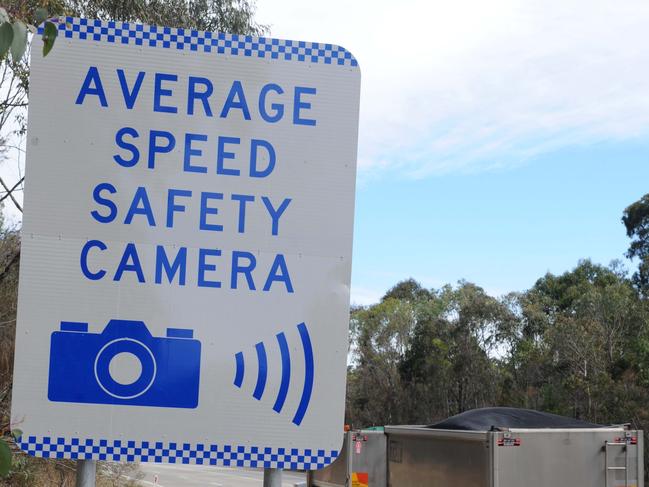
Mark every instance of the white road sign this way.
pixel 186 248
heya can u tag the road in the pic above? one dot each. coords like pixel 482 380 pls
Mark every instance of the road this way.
pixel 201 476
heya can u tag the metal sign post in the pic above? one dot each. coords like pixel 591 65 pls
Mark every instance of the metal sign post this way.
pixel 272 477
pixel 86 473
pixel 186 261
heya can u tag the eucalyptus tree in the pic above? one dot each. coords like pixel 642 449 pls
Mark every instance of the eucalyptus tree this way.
pixel 636 222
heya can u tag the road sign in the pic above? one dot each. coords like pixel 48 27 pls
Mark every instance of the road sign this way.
pixel 186 249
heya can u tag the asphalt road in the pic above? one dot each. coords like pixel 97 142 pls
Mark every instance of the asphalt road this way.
pixel 200 476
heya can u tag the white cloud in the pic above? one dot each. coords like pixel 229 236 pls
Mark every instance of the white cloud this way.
pixel 472 85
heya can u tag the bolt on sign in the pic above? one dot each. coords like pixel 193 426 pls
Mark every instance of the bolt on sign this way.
pixel 186 251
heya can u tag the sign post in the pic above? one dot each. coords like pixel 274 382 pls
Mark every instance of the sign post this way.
pixel 86 473
pixel 272 477
pixel 186 248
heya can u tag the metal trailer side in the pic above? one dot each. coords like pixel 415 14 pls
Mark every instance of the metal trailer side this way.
pixel 606 457
pixel 419 456
pixel 364 452
pixel 598 457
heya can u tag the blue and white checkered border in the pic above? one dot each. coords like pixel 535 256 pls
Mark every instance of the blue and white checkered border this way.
pixel 213 42
pixel 183 453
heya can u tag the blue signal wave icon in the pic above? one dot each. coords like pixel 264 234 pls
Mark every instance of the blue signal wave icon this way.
pixel 262 372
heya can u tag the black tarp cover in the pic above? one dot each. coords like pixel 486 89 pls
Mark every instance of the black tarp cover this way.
pixel 486 419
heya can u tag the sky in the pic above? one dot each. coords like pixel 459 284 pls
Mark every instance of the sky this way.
pixel 498 140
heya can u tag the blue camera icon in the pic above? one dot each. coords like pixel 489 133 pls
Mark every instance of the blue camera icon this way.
pixel 124 364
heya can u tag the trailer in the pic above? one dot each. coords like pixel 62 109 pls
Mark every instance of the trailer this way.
pixel 362 461
pixel 598 457
pixel 583 455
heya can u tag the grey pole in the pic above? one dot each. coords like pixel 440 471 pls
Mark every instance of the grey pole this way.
pixel 86 473
pixel 272 477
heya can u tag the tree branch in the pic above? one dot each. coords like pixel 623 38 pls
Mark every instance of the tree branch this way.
pixel 15 186
pixel 10 193
pixel 14 260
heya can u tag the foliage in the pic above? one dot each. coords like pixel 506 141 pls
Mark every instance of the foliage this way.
pixel 636 221
pixel 19 19
pixel 422 354
pixel 581 328
pixel 235 16
pixel 576 344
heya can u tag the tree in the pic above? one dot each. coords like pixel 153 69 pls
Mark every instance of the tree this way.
pixel 409 290
pixel 9 251
pixel 235 16
pixel 381 335
pixel 577 338
pixel 422 355
pixel 636 222
pixel 18 19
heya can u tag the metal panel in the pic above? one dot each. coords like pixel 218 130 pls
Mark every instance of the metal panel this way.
pixel 422 457
pixel 363 451
pixel 538 458
pixel 336 474
pixel 368 454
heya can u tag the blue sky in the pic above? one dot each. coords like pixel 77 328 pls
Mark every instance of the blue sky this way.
pixel 501 229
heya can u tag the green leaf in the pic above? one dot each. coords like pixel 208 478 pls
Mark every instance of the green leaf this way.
pixel 49 36
pixel 5 458
pixel 6 37
pixel 19 43
pixel 40 15
pixel 16 433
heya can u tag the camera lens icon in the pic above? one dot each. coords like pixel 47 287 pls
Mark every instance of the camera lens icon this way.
pixel 109 357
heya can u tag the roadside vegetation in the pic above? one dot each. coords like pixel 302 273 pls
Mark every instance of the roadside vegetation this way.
pixel 575 344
